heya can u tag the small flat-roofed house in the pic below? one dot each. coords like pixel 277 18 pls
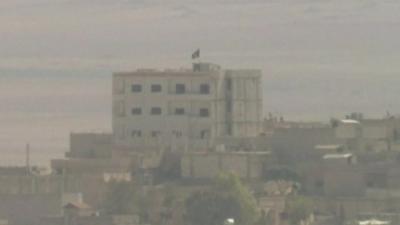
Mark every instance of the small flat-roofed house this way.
pixel 348 129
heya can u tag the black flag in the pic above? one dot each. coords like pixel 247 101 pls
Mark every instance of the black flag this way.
pixel 196 54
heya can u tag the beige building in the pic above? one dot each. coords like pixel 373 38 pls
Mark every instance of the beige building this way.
pixel 369 134
pixel 185 109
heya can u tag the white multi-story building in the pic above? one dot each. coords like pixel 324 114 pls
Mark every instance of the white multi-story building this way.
pixel 185 109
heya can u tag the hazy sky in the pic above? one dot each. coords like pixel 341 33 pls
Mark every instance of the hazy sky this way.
pixel 320 58
pixel 280 36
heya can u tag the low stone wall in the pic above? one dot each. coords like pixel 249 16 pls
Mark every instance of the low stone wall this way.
pixel 27 209
pixel 248 165
pixel 352 207
pixel 92 187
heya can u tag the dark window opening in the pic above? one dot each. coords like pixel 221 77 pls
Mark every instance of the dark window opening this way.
pixel 204 134
pixel 180 88
pixel 156 88
pixel 229 84
pixel 156 111
pixel 204 89
pixel 177 133
pixel 228 106
pixel 136 133
pixel 136 88
pixel 179 111
pixel 136 111
pixel 204 112
pixel 229 129
pixel 155 134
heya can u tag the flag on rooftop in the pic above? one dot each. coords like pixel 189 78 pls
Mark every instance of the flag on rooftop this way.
pixel 196 54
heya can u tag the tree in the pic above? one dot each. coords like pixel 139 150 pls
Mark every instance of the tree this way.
pixel 298 208
pixel 170 167
pixel 227 198
pixel 211 208
pixel 119 198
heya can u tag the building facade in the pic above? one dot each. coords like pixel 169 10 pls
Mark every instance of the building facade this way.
pixel 185 109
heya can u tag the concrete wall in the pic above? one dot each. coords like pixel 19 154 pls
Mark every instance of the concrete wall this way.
pixel 90 145
pixel 20 185
pixel 209 165
pixel 27 209
pixel 254 144
pixel 202 166
pixel 340 180
pixel 298 144
pixel 375 130
pixel 246 99
pixel 354 206
pixel 344 182
pixel 348 130
pixel 90 166
pixel 92 187
pixel 95 220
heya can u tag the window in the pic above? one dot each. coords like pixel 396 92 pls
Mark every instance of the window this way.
pixel 136 111
pixel 119 108
pixel 180 89
pixel 177 133
pixel 204 134
pixel 155 134
pixel 228 106
pixel 136 133
pixel 179 111
pixel 119 86
pixel 204 89
pixel 156 88
pixel 229 84
pixel 136 88
pixel 155 111
pixel 204 112
pixel 229 129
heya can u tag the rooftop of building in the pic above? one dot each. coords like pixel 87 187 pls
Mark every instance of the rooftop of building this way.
pixel 22 170
pixel 91 134
pixel 373 222
pixel 197 69
pixel 76 205
pixel 279 123
pixel 242 153
pixel 163 73
pixel 349 121
pixel 201 68
pixel 338 156
pixel 329 147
